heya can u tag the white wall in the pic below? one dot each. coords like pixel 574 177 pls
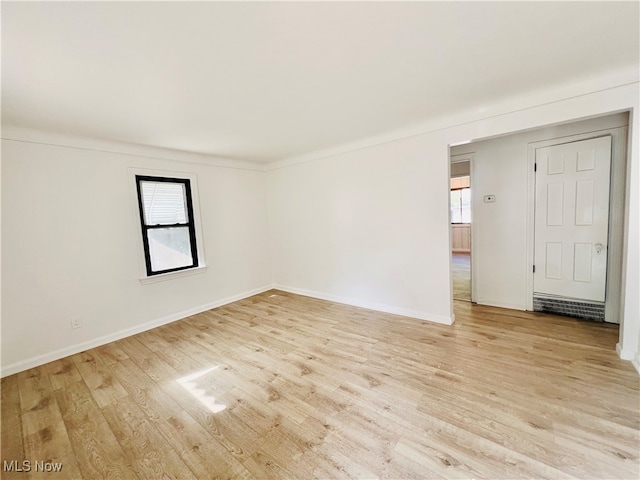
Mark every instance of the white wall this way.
pixel 500 230
pixel 365 228
pixel 70 249
pixel 636 360
pixel 370 226
pixel 629 345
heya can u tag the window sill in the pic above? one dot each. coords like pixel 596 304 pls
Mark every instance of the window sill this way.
pixel 171 275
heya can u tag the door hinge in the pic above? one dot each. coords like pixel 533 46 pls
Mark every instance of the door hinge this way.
pixel 534 269
pixel 535 167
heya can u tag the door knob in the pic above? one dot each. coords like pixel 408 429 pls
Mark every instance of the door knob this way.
pixel 599 248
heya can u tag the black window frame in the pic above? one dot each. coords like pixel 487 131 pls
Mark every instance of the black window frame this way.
pixel 145 228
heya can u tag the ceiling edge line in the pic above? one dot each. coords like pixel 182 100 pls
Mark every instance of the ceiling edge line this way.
pixel 219 164
pixel 415 131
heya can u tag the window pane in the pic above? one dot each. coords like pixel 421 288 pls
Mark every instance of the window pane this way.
pixel 466 215
pixel 466 205
pixel 455 206
pixel 169 248
pixel 164 203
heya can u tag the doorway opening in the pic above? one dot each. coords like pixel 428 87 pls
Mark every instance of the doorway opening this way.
pixel 503 200
pixel 460 218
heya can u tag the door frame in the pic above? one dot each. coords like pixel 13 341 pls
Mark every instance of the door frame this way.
pixel 617 190
pixel 459 158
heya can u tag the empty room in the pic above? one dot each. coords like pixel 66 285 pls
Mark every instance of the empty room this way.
pixel 320 240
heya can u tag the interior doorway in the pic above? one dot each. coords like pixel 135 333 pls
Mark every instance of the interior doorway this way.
pixel 460 219
pixel 503 192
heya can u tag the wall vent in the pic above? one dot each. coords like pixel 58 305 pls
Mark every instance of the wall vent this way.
pixel 568 306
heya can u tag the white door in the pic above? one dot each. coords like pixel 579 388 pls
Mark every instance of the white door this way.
pixel 572 219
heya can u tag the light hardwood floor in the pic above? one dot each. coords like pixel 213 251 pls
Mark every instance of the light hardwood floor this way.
pixel 461 275
pixel 284 386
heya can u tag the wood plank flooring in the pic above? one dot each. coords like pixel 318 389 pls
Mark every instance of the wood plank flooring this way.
pixel 461 275
pixel 285 386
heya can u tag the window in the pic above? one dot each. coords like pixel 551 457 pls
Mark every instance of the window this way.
pixel 167 220
pixel 460 200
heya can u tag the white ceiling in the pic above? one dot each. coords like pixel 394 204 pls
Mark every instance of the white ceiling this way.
pixel 266 81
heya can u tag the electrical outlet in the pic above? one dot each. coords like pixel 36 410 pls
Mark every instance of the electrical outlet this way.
pixel 76 323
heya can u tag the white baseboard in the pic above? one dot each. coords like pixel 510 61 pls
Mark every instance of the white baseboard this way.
pixel 97 342
pixel 80 347
pixel 371 306
pixel 626 354
pixel 634 357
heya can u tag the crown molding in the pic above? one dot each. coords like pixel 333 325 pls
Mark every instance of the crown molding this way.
pixel 29 135
pixel 576 88
pixel 557 93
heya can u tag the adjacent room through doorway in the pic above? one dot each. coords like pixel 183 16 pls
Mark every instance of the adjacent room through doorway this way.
pixel 511 261
pixel 460 205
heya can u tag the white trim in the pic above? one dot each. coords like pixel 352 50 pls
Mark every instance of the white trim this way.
pixel 552 95
pixel 636 363
pixel 195 200
pixel 97 342
pixel 531 223
pixel 28 135
pixel 171 275
pixel 473 225
pixel 405 312
pixel 626 354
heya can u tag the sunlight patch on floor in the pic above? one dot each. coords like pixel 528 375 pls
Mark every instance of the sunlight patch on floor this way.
pixel 190 384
